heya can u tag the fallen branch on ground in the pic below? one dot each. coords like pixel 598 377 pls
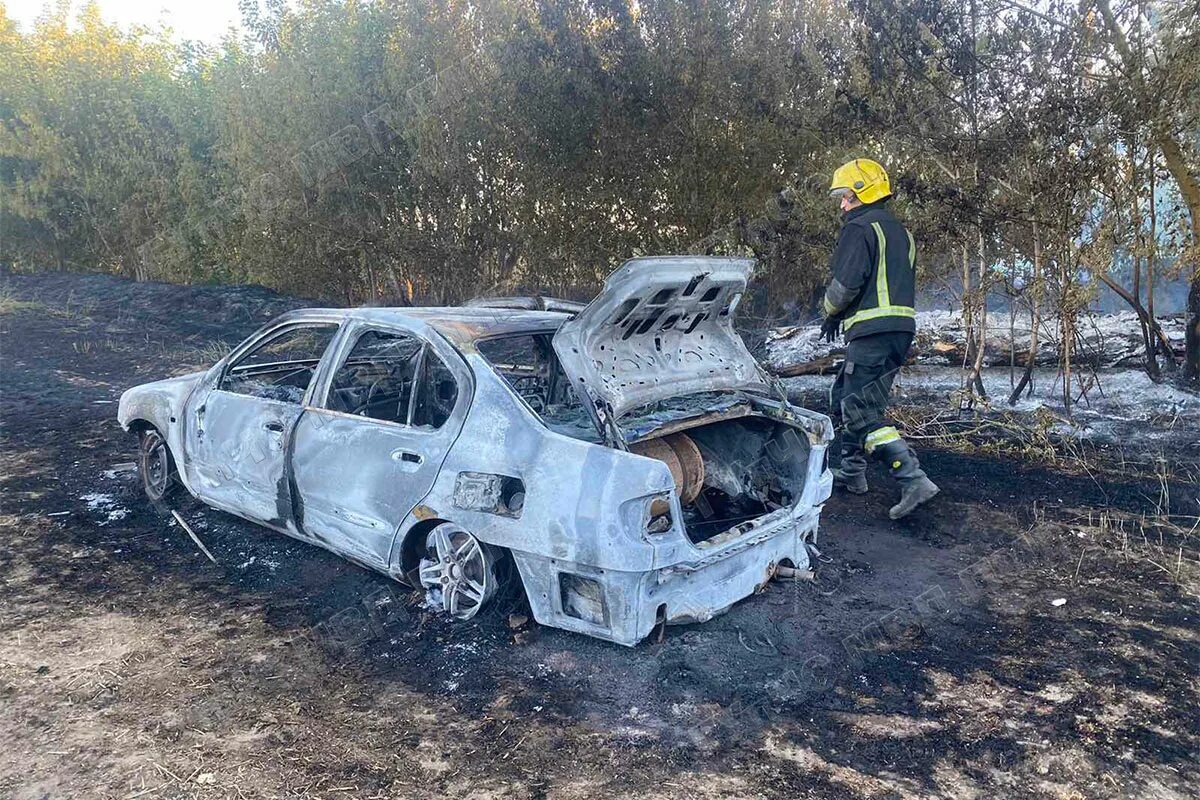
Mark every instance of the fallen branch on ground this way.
pixel 188 529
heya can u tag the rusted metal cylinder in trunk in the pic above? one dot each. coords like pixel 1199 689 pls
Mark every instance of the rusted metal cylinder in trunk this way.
pixel 682 457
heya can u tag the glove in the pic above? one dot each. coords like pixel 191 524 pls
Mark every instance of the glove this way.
pixel 830 329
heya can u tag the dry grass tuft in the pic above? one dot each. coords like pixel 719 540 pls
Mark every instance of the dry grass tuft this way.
pixel 1028 437
pixel 11 304
pixel 1170 543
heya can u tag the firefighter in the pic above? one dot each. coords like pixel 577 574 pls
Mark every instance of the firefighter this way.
pixel 870 300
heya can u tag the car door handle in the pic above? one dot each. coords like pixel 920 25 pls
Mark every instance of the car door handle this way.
pixel 274 427
pixel 406 456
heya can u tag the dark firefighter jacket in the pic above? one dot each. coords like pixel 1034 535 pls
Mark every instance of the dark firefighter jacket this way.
pixel 873 270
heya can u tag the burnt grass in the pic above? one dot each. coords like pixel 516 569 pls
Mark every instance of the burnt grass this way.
pixel 927 658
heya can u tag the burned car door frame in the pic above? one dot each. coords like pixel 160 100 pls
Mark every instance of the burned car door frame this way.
pixel 356 478
pixel 237 443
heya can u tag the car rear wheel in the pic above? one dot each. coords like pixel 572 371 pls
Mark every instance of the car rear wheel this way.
pixel 457 571
pixel 155 465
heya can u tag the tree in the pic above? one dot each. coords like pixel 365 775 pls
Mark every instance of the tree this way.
pixel 1162 80
pixel 429 150
pixel 93 140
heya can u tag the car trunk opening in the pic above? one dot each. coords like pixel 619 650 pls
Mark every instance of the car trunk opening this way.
pixel 731 470
pixel 734 456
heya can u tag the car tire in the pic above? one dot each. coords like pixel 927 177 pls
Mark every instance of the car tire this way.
pixel 156 467
pixel 458 573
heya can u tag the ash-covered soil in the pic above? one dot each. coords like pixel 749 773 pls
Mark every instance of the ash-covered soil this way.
pixel 929 658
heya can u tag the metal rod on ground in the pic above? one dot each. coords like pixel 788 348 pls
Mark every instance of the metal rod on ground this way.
pixel 188 529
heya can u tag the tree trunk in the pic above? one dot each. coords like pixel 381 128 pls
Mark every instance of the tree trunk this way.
pixel 1035 316
pixel 1147 320
pixel 1151 262
pixel 1191 350
pixel 967 401
pixel 977 367
pixel 1066 331
pixel 1189 189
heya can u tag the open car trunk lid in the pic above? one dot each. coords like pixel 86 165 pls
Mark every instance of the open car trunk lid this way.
pixel 662 327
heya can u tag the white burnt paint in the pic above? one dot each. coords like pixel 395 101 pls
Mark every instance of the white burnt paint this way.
pixel 588 555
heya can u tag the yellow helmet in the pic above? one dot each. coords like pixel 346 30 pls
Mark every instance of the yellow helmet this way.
pixel 866 178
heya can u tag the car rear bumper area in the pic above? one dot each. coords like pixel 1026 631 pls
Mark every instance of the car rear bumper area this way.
pixel 624 607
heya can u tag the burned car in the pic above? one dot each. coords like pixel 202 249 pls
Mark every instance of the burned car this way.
pixel 632 461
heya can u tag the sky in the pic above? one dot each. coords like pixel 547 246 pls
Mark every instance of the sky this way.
pixel 204 20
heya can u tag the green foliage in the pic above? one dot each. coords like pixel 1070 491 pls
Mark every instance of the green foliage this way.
pixel 432 150
pixel 94 137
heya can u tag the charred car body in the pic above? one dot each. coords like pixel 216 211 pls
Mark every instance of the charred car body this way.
pixel 632 460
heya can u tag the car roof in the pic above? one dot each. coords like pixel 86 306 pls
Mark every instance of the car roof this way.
pixel 458 324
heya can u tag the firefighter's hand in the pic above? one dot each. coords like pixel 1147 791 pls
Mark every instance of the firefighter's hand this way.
pixel 830 329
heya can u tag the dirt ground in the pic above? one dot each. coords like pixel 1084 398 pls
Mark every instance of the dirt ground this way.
pixel 932 657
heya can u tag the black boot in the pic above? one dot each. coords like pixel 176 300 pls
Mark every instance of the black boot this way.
pixel 851 474
pixel 915 486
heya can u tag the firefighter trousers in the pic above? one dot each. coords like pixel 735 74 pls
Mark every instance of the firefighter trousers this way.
pixel 858 399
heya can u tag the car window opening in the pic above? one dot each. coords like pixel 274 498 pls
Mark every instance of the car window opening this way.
pixel 528 364
pixel 394 377
pixel 282 367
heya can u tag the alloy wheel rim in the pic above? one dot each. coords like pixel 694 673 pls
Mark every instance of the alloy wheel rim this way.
pixel 456 571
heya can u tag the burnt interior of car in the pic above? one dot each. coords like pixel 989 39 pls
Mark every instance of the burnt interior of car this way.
pixel 730 467
pixel 387 376
pixel 528 363
pixel 730 462
pixel 376 380
pixel 393 377
pixel 285 381
pixel 282 367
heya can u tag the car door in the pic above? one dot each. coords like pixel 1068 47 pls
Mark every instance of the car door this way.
pixel 370 450
pixel 240 426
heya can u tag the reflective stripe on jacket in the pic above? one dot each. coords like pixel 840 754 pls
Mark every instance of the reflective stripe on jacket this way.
pixel 874 274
